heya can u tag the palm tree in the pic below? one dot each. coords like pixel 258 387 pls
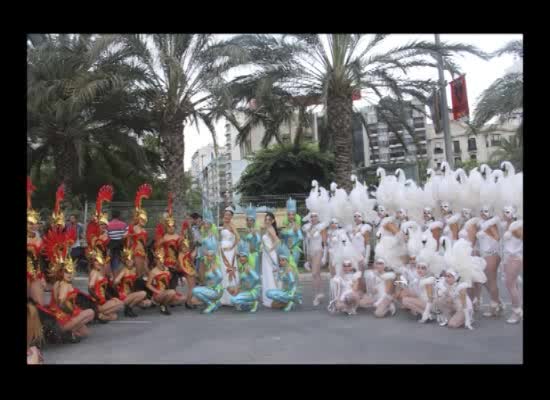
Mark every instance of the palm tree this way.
pixel 82 105
pixel 182 71
pixel 510 149
pixel 503 98
pixel 335 66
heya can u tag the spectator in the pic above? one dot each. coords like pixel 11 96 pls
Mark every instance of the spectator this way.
pixel 77 250
pixel 116 230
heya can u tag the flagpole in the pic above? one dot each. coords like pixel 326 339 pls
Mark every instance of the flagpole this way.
pixel 443 92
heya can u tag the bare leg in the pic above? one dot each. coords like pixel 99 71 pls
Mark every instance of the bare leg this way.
pixel 457 320
pixel 383 308
pixel 80 320
pixel 135 298
pixel 414 304
pixel 491 272
pixel 316 272
pixel 512 269
pixel 366 301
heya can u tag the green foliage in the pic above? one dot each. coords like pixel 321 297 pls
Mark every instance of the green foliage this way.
pixel 285 169
pixel 510 150
pixel 467 166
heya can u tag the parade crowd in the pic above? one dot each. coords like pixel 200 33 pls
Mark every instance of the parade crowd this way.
pixel 435 247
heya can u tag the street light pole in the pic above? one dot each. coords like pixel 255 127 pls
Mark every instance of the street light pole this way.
pixel 443 92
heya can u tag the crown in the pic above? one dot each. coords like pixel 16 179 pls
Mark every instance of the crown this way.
pixel 291 205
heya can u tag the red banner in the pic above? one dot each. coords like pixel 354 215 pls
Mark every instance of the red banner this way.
pixel 459 98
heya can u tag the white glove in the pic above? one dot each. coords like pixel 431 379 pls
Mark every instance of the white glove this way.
pixel 306 266
pixel 426 313
pixel 324 258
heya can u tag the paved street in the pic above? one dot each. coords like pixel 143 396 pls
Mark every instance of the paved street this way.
pixel 307 335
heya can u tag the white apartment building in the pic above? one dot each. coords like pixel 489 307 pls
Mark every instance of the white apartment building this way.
pixel 200 159
pixel 466 146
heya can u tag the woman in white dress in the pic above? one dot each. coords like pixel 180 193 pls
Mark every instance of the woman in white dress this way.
pixel 229 238
pixel 270 262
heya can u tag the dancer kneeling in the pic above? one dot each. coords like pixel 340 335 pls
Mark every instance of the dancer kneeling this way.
pixel 453 301
pixel 158 282
pixel 420 294
pixel 210 294
pixel 99 289
pixel 249 288
pixel 345 286
pixel 125 282
pixel 287 295
pixel 379 289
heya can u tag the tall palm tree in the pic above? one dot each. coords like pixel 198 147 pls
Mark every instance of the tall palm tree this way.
pixel 82 103
pixel 504 97
pixel 182 70
pixel 335 66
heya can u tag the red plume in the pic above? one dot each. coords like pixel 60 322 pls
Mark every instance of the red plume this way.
pixel 184 227
pixel 105 194
pixel 59 196
pixel 169 203
pixel 144 191
pixel 30 189
pixel 57 241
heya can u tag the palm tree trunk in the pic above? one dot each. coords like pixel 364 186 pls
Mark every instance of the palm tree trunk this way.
pixel 339 112
pixel 65 163
pixel 173 149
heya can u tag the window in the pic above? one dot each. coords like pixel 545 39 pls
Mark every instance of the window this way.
pixel 456 146
pixel 472 146
pixel 438 150
pixel 473 157
pixel 438 165
pixel 495 140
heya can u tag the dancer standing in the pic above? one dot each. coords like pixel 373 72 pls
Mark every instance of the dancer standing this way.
pixel 270 262
pixel 229 239
pixel 451 221
pixel 513 261
pixel 291 232
pixel 360 238
pixel 489 246
pixel 316 237
pixel 97 236
pixel 252 237
pixel 335 236
pixel 136 238
pixel 36 282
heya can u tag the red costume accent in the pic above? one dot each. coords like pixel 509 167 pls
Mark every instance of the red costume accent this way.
pixel 126 285
pixel 94 237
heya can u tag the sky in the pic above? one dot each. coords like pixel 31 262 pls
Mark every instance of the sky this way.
pixel 479 75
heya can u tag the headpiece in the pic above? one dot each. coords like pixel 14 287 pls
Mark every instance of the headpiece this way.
pixel 96 256
pixel 144 191
pixel 243 248
pixel 105 194
pixel 291 205
pixel 283 252
pixel 251 212
pixel 207 216
pixel 169 220
pixel 230 209
pixel 210 244
pixel 32 215
pixel 159 254
pixel 510 211
pixel 58 219
pixel 127 254
pixel 58 249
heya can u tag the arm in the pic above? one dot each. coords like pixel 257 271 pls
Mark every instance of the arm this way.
pixel 149 283
pixel 390 226
pixel 436 233
pixel 467 319
pixel 119 276
pixel 518 233
pixel 62 299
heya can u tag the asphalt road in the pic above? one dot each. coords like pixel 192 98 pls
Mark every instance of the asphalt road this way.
pixel 307 335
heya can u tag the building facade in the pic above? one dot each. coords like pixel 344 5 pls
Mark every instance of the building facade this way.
pixel 467 146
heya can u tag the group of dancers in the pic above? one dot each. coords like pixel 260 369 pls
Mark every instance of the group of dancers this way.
pixel 436 246
pixel 435 268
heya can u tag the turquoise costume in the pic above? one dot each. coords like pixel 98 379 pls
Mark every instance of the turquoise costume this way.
pixel 293 239
pixel 288 281
pixel 253 239
pixel 212 292
pixel 250 288
pixel 206 233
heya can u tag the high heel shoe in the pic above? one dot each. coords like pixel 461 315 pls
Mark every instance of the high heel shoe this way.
pixel 516 317
pixel 495 310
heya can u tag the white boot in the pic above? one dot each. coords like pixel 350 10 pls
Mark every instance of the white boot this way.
pixel 517 316
pixel 495 309
pixel 317 299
